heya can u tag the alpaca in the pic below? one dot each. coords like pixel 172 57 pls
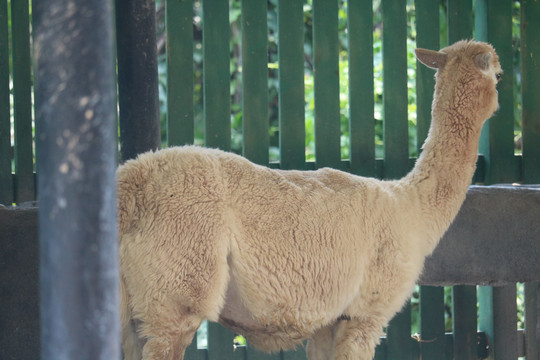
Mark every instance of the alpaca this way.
pixel 285 256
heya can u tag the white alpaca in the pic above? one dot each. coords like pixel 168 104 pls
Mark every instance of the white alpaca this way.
pixel 283 256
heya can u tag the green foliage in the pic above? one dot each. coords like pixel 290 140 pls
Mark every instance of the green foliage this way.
pixel 273 86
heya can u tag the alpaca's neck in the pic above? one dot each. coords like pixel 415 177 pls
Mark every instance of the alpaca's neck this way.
pixel 447 163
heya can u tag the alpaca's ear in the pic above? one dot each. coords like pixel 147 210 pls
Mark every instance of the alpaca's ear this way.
pixel 483 60
pixel 430 58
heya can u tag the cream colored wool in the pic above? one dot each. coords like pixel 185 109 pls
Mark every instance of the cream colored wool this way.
pixel 283 256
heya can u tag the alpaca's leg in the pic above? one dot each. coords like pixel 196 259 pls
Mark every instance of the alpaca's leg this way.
pixel 321 345
pixel 170 315
pixel 171 318
pixel 357 339
pixel 131 344
pixel 175 278
pixel 169 334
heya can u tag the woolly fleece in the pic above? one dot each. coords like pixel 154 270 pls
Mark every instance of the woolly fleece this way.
pixel 284 256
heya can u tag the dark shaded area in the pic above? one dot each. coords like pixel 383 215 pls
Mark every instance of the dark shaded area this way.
pixel 19 284
pixel 137 77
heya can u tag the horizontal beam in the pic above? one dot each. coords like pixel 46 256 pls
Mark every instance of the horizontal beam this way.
pixel 494 240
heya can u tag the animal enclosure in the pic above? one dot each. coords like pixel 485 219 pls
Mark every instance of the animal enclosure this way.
pixel 490 332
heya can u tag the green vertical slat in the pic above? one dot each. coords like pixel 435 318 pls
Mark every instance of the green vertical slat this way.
pixel 22 89
pixel 192 353
pixel 460 20
pixel 432 328
pixel 427 37
pixel 326 87
pixel 202 354
pixel 299 354
pixel 460 26
pixel 481 23
pixel 497 318
pixel 398 335
pixel 6 182
pixel 532 350
pixel 396 148
pixel 180 126
pixel 432 323
pixel 449 346
pixel 220 343
pixel 497 305
pixel 292 131
pixel 494 24
pixel 255 81
pixel 395 102
pixel 361 104
pixel 380 351
pixel 464 322
pixel 216 82
pixel 530 87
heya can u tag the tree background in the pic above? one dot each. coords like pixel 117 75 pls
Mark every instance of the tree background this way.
pixel 273 69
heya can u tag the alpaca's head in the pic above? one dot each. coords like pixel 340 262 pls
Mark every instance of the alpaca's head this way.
pixel 470 66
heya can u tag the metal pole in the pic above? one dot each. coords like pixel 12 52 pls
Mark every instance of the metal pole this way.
pixel 76 118
pixel 137 77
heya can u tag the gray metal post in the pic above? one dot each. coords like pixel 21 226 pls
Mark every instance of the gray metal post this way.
pixel 137 77
pixel 76 117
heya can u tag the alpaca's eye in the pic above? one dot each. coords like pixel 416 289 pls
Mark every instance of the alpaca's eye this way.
pixel 498 76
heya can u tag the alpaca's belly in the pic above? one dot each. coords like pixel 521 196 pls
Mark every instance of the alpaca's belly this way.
pixel 271 335
pixel 234 314
pixel 267 338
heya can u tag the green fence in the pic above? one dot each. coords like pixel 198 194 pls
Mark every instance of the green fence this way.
pixel 495 321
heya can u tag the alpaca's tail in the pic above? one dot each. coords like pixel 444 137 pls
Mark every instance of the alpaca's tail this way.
pixel 130 341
